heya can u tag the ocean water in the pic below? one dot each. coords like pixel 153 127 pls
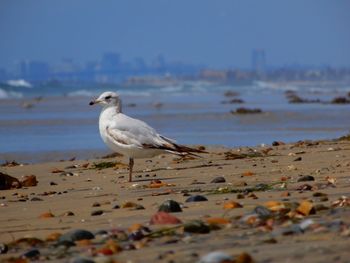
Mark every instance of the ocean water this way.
pixel 38 120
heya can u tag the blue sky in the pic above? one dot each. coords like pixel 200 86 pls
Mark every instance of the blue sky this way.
pixel 218 33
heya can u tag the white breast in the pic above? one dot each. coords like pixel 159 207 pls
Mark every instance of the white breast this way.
pixel 109 118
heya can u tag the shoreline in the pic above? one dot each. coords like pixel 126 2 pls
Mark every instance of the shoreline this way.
pixel 77 195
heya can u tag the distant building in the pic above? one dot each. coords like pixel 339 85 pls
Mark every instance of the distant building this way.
pixel 259 62
pixel 110 68
pixel 159 64
pixel 3 75
pixel 33 70
pixel 110 63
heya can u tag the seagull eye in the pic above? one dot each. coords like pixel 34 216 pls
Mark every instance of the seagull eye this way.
pixel 108 97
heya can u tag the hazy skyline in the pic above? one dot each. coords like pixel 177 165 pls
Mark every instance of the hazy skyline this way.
pixel 216 33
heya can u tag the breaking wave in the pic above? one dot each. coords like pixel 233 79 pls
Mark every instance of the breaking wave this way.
pixel 9 94
pixel 19 83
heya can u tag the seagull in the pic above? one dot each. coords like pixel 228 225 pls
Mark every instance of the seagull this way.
pixel 131 137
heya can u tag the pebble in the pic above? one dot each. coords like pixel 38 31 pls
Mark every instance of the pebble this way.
pixel 31 254
pixel 196 226
pixel 3 248
pixel 196 198
pixel 306 178
pixel 135 236
pixel 75 235
pixel 304 187
pixel 305 224
pixel 170 206
pixel 262 212
pixel 319 194
pixel 216 257
pixel 36 199
pixel 116 206
pixel 97 213
pixel 297 159
pixel 133 206
pixel 240 196
pixel 163 218
pixel 217 180
pixel 68 213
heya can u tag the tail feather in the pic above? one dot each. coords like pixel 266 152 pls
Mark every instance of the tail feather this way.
pixel 182 149
pixel 171 147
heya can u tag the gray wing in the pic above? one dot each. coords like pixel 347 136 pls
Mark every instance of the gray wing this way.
pixel 133 132
pixel 128 131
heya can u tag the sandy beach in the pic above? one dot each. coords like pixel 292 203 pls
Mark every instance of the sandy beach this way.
pixel 283 203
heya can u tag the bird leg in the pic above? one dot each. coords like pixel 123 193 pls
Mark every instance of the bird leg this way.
pixel 131 164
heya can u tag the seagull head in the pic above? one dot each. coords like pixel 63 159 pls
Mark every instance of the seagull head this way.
pixel 107 98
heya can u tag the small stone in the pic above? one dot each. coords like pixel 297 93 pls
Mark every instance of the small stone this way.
pixel 31 254
pixel 163 218
pixel 3 248
pixel 116 206
pixel 305 224
pixel 304 187
pixel 68 213
pixel 46 215
pixel 196 198
pixel 216 257
pixel 217 180
pixel 262 212
pixel 306 208
pixel 97 213
pixel 53 183
pixel 170 206
pixel 240 196
pixel 232 205
pixel 96 204
pixel 75 235
pixel 277 143
pixel 133 206
pixel 297 159
pixel 36 199
pixel 244 258
pixel 306 178
pixel 319 194
pixel 136 235
pixel 197 226
pixel 29 180
pixel 252 195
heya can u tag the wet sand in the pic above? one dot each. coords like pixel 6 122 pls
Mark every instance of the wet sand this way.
pixel 260 175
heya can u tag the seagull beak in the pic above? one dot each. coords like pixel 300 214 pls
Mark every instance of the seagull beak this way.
pixel 93 102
